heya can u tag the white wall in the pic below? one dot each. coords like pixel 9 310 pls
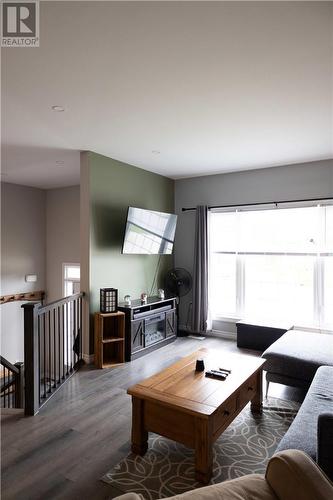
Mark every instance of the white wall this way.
pixel 22 252
pixel 289 182
pixel 62 236
pixel 40 230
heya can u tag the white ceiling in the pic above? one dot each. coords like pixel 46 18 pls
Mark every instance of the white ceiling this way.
pixel 215 87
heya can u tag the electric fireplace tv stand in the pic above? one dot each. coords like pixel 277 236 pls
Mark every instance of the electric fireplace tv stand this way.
pixel 148 326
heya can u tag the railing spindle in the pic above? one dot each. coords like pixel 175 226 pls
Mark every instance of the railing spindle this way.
pixel 49 343
pixel 67 328
pixel 81 340
pixel 39 359
pixel 54 351
pixel 5 373
pixel 59 335
pixel 63 341
pixel 19 385
pixel 44 358
pixel 13 394
pixel 74 330
pixel 7 389
pixel 71 335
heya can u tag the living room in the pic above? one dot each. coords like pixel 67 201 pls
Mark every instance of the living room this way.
pixel 219 113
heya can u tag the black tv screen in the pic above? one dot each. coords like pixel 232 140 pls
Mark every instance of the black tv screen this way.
pixel 149 232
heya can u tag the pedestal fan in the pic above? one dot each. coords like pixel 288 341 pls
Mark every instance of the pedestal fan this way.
pixel 178 282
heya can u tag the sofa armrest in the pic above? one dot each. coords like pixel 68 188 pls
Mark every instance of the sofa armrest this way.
pixel 293 475
pixel 325 443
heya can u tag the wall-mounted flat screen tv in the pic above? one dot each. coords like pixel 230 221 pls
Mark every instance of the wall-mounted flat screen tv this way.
pixel 149 232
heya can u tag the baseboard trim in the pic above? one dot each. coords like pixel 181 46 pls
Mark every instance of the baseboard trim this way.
pixel 313 329
pixel 88 358
pixel 221 334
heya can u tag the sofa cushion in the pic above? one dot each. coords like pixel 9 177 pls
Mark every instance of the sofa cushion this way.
pixel 299 354
pixel 251 487
pixel 302 434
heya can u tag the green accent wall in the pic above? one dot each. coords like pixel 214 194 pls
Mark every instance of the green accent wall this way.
pixel 113 187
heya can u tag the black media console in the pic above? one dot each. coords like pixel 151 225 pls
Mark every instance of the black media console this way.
pixel 148 326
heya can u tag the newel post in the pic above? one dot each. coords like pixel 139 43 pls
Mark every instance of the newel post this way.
pixel 31 358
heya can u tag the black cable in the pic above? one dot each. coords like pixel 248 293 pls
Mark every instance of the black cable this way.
pixel 156 270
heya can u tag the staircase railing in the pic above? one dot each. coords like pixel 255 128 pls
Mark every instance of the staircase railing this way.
pixel 12 385
pixel 52 348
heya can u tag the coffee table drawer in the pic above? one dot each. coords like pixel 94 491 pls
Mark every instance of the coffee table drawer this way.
pixel 170 423
pixel 247 391
pixel 223 415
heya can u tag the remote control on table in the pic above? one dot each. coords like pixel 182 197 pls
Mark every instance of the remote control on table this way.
pixel 215 374
pixel 220 372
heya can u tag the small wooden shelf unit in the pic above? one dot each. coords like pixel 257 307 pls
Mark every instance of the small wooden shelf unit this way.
pixel 109 339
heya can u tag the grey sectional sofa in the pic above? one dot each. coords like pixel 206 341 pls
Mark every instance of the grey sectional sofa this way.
pixel 295 357
pixel 312 429
pixel 305 359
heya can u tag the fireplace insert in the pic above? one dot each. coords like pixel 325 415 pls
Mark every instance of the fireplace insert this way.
pixel 148 326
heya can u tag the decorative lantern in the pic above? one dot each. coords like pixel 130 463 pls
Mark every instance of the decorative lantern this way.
pixel 108 300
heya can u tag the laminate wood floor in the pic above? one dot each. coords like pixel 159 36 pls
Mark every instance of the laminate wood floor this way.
pixel 84 430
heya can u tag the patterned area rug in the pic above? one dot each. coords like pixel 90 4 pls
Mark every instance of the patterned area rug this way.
pixel 168 468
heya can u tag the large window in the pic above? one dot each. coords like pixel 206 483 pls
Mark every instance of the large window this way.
pixel 273 264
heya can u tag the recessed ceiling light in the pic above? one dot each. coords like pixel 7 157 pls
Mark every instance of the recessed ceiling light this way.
pixel 58 108
pixel 156 152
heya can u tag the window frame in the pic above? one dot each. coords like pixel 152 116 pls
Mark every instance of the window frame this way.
pixel 318 319
pixel 65 279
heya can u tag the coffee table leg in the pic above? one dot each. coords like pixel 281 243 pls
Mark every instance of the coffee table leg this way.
pixel 203 450
pixel 256 403
pixel 139 434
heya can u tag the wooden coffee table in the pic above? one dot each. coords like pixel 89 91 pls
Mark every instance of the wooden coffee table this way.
pixel 184 405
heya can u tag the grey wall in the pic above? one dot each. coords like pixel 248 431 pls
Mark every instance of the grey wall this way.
pixel 22 252
pixel 62 236
pixel 289 182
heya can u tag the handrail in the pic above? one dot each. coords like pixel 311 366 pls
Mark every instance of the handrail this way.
pixel 7 364
pixel 39 295
pixel 60 302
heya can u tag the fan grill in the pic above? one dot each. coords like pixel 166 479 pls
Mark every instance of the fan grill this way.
pixel 178 282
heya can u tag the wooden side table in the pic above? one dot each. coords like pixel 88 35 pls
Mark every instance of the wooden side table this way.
pixel 109 339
